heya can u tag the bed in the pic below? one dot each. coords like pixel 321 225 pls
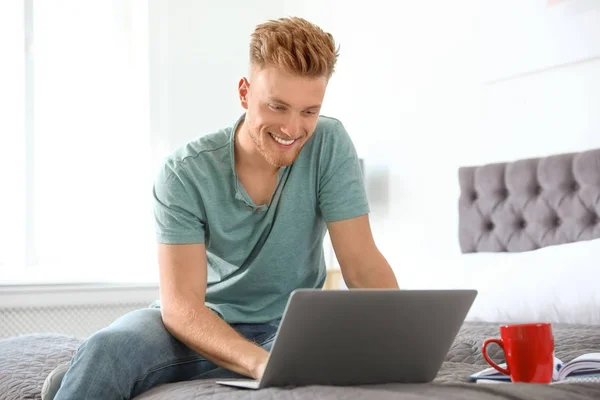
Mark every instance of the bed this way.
pixel 513 217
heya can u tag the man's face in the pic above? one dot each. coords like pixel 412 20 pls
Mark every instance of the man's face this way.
pixel 282 112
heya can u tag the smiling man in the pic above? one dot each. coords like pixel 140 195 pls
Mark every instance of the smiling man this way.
pixel 241 215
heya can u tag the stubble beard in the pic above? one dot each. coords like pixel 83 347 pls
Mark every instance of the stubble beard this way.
pixel 261 142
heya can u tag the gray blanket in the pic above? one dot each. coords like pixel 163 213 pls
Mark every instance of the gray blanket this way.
pixel 446 391
pixel 463 359
pixel 26 360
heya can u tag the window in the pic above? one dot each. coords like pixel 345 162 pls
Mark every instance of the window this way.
pixel 75 147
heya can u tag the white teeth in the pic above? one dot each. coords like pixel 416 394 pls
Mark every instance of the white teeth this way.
pixel 280 140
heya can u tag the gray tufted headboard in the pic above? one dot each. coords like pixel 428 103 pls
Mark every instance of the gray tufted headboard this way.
pixel 527 204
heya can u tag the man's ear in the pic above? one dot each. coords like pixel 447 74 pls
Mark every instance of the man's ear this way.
pixel 243 88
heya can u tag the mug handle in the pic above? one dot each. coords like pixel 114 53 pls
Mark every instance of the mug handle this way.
pixel 489 360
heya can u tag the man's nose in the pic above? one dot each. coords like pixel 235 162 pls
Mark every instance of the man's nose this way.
pixel 292 127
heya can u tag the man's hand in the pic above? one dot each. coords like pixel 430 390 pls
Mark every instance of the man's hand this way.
pixel 260 368
pixel 183 276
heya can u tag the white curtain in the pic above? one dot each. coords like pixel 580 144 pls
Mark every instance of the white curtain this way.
pixel 90 182
pixel 12 134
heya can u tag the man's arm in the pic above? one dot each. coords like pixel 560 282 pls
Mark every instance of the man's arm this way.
pixel 183 276
pixel 362 265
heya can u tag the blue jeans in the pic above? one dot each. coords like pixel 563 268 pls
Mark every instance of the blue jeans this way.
pixel 136 353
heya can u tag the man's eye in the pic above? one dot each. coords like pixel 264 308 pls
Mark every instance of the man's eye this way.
pixel 276 108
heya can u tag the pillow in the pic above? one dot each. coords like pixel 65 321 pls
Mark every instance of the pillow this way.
pixel 556 283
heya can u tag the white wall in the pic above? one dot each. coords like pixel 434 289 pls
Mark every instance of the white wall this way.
pixel 405 89
pixel 408 89
pixel 198 53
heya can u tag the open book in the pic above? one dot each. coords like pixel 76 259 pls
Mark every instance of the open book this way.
pixel 585 367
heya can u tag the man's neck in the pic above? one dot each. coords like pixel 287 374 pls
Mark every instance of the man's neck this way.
pixel 247 158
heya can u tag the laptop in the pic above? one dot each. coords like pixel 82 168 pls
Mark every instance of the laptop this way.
pixel 362 336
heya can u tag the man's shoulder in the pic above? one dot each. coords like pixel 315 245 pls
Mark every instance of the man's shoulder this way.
pixel 326 123
pixel 331 131
pixel 199 150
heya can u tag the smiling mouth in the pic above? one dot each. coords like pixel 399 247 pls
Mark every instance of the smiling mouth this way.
pixel 282 141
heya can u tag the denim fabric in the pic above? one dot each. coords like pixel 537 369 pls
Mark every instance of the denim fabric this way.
pixel 136 353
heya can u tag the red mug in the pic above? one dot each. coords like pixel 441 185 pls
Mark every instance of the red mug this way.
pixel 529 352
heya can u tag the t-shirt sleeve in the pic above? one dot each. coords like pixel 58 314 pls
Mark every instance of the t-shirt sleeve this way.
pixel 342 193
pixel 178 214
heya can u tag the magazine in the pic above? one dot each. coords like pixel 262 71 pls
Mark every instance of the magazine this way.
pixel 585 367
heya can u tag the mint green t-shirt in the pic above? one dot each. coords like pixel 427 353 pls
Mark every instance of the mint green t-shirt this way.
pixel 258 253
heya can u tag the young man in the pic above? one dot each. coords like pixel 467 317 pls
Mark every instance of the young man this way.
pixel 240 216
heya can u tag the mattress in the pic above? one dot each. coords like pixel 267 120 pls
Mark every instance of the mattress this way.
pixel 26 360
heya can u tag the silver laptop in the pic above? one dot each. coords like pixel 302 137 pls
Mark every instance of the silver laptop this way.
pixel 362 336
